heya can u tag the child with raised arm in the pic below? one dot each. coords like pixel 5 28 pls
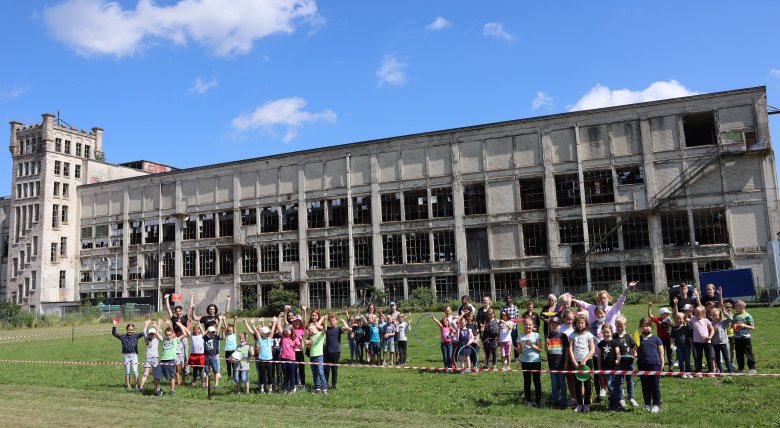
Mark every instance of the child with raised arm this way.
pixel 447 334
pixel 531 361
pixel 231 342
pixel 743 342
pixel 375 339
pixel 650 357
pixel 663 326
pixel 720 340
pixel 581 350
pixel 240 358
pixel 211 351
pixel 178 316
pixel 316 334
pixel 129 351
pixel 152 357
pixel 167 366
pixel 333 348
pixel 264 354
pixel 197 358
pixel 290 341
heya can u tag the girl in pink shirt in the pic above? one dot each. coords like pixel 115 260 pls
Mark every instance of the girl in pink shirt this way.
pixel 447 333
pixel 290 341
pixel 702 335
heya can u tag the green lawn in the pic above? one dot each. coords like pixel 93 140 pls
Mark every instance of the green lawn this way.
pixel 65 395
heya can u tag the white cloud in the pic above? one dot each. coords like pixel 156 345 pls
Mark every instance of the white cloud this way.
pixel 496 29
pixel 601 96
pixel 282 112
pixel 438 24
pixel 541 100
pixel 200 86
pixel 391 71
pixel 775 72
pixel 99 27
pixel 12 92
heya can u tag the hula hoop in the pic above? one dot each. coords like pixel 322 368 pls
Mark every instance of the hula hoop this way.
pixel 473 351
pixel 417 337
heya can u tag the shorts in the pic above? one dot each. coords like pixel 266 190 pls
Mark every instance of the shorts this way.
pixel 373 348
pixel 212 364
pixel 181 354
pixel 150 362
pixel 196 360
pixel 131 364
pixel 166 369
pixel 506 349
pixel 388 347
pixel 241 376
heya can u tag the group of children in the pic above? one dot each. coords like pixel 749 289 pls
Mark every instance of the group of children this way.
pixel 378 338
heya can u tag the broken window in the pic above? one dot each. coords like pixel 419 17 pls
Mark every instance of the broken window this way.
pixel 361 210
pixel 207 261
pixel 169 229
pixel 506 284
pixel 101 236
pixel 699 129
pixel 418 248
pixel 598 187
pixel 189 228
pixel 446 288
pixel 571 232
pixel 316 254
pixel 567 190
pixel 339 294
pixel 626 175
pixel 337 212
pixel 394 288
pixel 290 217
pixel 188 262
pixel 441 202
pixel 477 249
pixel 269 219
pixel 339 253
pixel 674 228
pixel 679 272
pixel 290 252
pixel 605 276
pixel 643 274
pixel 391 250
pixel 391 207
pixel 363 251
pixel 416 204
pixel 444 245
pixel 249 260
pixel 86 237
pixel 248 217
pixel 479 286
pixel 574 281
pixel 714 265
pixel 318 294
pixel 597 229
pixel 315 214
pixel 269 258
pixel 152 229
pixel 474 199
pixel 226 223
pixel 226 261
pixel 135 233
pixel 168 265
pixel 532 193
pixel 636 232
pixel 249 297
pixel 709 227
pixel 535 239
pixel 538 283
pixel 207 226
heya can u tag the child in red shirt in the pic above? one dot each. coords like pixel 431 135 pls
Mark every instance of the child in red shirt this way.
pixel 663 323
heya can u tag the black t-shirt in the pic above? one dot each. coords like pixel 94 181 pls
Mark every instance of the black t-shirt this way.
pixel 184 320
pixel 626 342
pixel 647 352
pixel 557 347
pixel 276 346
pixel 607 353
pixel 481 316
pixel 491 330
pixel 533 316
pixel 682 335
pixel 681 300
pixel 474 327
pixel 360 333
pixel 714 299
pixel 333 339
pixel 211 344
pixel 208 321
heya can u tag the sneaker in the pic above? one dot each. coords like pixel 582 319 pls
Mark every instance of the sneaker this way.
pixel 325 391
pixel 633 402
pixel 138 389
pixel 158 393
pixel 603 392
pixel 647 408
pixel 655 409
pixel 578 409
pixel 585 409
pixel 317 390
pixel 676 364
pixel 753 371
pixel 171 393
pixel 529 404
pixel 129 388
pixel 571 403
pixel 622 403
pixel 293 391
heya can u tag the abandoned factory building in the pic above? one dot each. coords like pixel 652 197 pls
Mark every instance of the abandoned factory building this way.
pixel 657 192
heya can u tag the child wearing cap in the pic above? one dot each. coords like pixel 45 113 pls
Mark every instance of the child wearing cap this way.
pixel 290 341
pixel 557 343
pixel 211 351
pixel 152 339
pixel 663 326
pixel 263 353
pixel 167 366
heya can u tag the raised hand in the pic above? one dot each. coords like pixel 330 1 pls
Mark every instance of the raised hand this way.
pixel 304 306
pixel 633 284
pixel 115 321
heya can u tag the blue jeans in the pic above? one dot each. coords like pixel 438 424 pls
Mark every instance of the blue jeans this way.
pixel 290 375
pixel 624 365
pixel 722 357
pixel 558 381
pixel 615 385
pixel 684 357
pixel 318 372
pixel 446 354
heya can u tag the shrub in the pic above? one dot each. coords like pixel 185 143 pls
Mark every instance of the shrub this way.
pixel 279 298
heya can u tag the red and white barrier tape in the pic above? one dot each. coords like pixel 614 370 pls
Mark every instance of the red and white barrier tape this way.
pixel 60 333
pixel 437 369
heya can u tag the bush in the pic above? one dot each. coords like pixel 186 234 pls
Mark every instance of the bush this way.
pixel 279 298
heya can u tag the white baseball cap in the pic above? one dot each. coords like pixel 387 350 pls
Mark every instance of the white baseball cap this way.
pixel 265 330
pixel 212 329
pixel 665 311
pixel 151 331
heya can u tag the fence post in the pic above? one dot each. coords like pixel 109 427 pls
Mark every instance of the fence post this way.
pixel 73 332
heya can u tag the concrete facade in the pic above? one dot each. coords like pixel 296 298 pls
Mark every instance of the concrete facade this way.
pixel 463 211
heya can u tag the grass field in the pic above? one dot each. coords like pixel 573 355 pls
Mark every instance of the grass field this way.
pixel 78 395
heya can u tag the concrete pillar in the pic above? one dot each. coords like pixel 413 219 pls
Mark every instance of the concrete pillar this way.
pixel 376 220
pixel 458 213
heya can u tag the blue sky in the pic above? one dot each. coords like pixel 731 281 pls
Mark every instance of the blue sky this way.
pixel 193 82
